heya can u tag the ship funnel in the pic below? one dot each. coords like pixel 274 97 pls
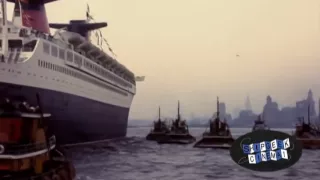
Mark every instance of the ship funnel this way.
pixel 79 26
pixel 32 13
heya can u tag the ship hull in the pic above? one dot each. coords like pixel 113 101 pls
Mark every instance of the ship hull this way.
pixel 75 119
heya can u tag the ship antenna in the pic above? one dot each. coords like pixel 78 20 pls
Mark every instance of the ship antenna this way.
pixel 88 13
pixel 45 126
pixel 4 30
pixel 179 110
pixel 218 112
pixel 98 33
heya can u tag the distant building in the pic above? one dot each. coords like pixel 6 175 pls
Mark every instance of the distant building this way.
pixel 271 111
pixel 247 105
pixel 246 119
pixel 302 106
pixel 223 112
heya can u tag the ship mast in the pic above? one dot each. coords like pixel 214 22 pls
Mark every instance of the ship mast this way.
pixel 218 111
pixel 159 114
pixel 4 49
pixel 319 109
pixel 178 110
pixel 309 114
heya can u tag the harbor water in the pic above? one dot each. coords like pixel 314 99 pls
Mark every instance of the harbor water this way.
pixel 134 158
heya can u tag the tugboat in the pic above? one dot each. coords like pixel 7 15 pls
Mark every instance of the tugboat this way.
pixel 219 135
pixel 308 134
pixel 159 130
pixel 179 132
pixel 26 152
pixel 259 124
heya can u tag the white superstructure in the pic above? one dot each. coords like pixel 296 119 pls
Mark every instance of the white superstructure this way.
pixel 67 63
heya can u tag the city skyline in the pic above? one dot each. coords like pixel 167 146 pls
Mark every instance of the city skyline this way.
pixel 224 108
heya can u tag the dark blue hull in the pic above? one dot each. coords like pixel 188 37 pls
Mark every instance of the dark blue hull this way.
pixel 74 119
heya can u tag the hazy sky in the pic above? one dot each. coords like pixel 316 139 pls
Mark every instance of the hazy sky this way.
pixel 187 50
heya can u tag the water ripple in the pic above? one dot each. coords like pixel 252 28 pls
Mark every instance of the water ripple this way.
pixel 134 158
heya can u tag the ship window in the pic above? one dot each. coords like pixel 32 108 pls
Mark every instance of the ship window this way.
pixel 15 43
pixel 54 51
pixel 16 12
pixel 77 59
pixel 46 48
pixel 29 46
pixel 69 56
pixel 61 54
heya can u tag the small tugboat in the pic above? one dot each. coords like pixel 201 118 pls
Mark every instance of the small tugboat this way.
pixel 219 135
pixel 259 124
pixel 179 133
pixel 159 130
pixel 308 134
pixel 26 152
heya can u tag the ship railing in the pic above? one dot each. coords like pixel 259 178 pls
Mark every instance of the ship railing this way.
pixel 14 55
pixel 24 32
pixel 13 149
pixel 22 49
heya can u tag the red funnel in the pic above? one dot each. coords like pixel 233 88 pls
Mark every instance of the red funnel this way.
pixel 33 13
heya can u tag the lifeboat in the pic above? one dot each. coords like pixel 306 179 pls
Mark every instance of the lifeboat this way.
pixel 159 130
pixel 27 150
pixel 307 134
pixel 219 135
pixel 260 124
pixel 179 132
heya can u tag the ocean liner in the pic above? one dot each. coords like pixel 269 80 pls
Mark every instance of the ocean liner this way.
pixel 87 91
